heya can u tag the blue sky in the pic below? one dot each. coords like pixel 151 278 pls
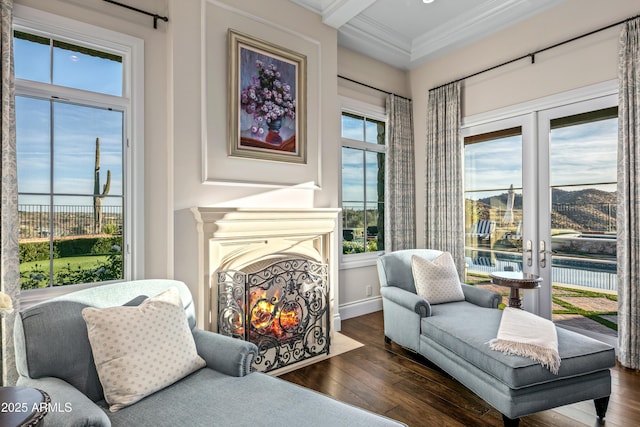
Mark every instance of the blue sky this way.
pixel 353 162
pixel 580 154
pixel 584 153
pixel 73 128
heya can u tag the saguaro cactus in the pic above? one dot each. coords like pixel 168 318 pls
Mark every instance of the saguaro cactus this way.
pixel 97 194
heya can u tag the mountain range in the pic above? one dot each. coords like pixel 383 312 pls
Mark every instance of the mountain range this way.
pixel 588 211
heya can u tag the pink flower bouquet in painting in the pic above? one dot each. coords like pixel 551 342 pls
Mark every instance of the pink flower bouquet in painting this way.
pixel 268 99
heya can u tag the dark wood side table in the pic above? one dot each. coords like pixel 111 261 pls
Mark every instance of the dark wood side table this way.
pixel 515 280
pixel 22 406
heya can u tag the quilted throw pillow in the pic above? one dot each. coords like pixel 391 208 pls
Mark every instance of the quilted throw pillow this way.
pixel 437 281
pixel 140 350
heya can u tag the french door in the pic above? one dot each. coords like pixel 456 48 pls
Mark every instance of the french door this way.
pixel 540 197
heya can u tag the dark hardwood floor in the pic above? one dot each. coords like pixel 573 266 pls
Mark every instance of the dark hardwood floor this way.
pixel 392 381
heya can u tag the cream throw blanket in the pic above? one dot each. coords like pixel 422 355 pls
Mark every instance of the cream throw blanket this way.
pixel 524 334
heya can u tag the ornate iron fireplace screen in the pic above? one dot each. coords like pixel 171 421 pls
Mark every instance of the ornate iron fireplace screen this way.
pixel 283 309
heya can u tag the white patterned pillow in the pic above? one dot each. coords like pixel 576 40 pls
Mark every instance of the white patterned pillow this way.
pixel 437 281
pixel 140 350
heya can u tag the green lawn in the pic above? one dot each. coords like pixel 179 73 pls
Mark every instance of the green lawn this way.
pixel 83 262
pixel 557 298
pixel 80 269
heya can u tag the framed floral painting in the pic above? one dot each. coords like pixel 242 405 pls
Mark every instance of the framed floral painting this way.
pixel 267 93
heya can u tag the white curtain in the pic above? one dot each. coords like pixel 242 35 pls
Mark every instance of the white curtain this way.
pixel 400 222
pixel 628 216
pixel 444 223
pixel 9 262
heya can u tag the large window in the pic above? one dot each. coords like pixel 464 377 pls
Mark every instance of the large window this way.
pixel 73 109
pixel 363 182
pixel 540 197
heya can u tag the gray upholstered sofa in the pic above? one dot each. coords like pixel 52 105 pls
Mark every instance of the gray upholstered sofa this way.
pixel 455 337
pixel 54 354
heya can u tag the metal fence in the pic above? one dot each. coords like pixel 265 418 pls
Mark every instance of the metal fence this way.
pixel 597 217
pixel 37 221
pixel 589 273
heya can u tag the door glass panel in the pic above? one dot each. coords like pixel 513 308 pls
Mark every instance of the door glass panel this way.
pixel 583 159
pixel 493 202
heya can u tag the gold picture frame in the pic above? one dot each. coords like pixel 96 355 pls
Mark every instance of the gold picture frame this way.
pixel 267 94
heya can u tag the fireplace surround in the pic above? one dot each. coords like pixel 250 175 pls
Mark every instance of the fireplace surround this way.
pixel 243 252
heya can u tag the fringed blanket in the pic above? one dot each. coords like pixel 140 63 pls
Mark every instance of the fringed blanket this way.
pixel 525 334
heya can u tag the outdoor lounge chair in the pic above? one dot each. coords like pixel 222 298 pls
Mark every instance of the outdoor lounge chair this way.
pixel 482 232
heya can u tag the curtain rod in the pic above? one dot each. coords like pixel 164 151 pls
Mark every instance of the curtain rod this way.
pixel 532 55
pixel 135 9
pixel 372 87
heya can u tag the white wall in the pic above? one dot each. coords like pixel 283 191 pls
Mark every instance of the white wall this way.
pixel 173 125
pixel 174 128
pixel 354 281
pixel 578 64
pixel 278 22
pixel 363 69
pixel 272 21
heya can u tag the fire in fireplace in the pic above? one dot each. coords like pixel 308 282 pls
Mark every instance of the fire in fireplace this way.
pixel 281 306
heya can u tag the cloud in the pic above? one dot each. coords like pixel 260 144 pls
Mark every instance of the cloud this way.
pixel 585 153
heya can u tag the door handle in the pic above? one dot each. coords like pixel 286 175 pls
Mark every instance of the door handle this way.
pixel 543 254
pixel 528 252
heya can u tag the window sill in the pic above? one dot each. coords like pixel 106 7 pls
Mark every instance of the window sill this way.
pixel 359 260
pixel 32 297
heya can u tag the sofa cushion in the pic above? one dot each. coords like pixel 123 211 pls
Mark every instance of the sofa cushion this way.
pixel 466 329
pixel 140 350
pixel 437 281
pixel 209 398
pixel 50 330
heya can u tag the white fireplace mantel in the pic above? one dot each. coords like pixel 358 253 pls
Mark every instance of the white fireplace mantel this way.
pixel 233 238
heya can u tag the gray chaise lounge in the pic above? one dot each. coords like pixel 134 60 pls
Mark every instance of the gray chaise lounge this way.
pixel 54 354
pixel 454 336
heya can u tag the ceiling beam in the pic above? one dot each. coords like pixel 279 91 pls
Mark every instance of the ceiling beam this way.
pixel 342 11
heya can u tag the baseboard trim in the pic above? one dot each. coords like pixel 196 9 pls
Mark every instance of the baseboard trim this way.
pixel 360 308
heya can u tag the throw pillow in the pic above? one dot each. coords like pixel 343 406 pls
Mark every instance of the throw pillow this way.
pixel 437 281
pixel 49 330
pixel 140 350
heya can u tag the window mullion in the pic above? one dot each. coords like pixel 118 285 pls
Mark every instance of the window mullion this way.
pixel 364 182
pixel 51 201
pixel 50 61
pixel 76 96
pixel 364 204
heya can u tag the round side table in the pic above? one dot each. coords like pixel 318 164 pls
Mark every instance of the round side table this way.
pixel 22 406
pixel 515 280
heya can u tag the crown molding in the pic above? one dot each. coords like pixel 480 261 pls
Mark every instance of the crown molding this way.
pixel 356 39
pixel 359 32
pixel 380 33
pixel 474 24
pixel 342 11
